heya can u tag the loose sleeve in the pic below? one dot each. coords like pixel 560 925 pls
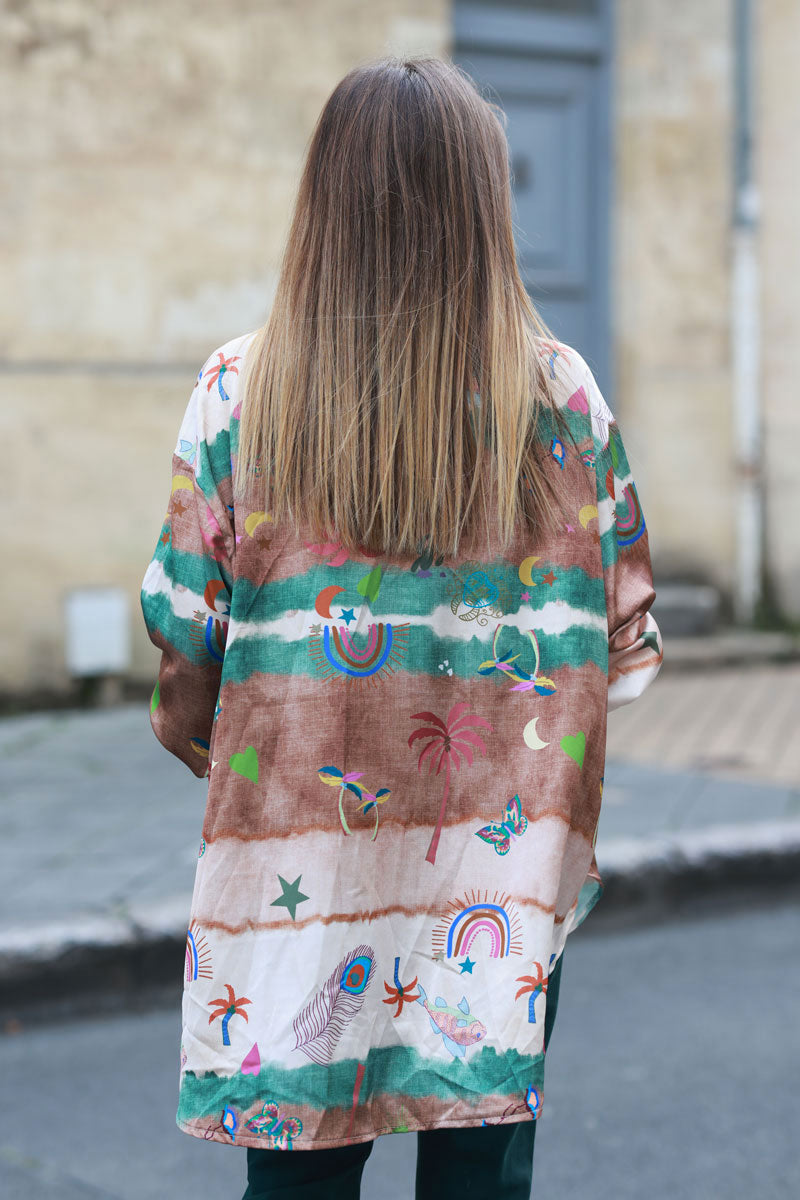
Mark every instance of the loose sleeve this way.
pixel 186 592
pixel 635 648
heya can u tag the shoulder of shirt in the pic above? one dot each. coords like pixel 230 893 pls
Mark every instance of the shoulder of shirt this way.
pixel 215 397
pixel 574 386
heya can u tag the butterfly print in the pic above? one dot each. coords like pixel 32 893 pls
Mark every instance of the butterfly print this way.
pixel 271 1123
pixel 512 823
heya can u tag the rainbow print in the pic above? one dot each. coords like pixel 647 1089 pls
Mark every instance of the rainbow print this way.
pixel 409 683
pixel 335 653
pixel 494 920
pixel 630 524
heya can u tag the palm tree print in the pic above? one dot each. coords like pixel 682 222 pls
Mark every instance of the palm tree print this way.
pixel 447 738
pixel 401 993
pixel 215 373
pixel 533 986
pixel 227 1009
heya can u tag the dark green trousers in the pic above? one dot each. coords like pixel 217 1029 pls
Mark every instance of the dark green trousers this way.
pixel 490 1162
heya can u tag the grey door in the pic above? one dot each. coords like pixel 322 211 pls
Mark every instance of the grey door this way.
pixel 547 65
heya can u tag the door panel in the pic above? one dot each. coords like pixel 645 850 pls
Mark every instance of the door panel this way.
pixel 550 77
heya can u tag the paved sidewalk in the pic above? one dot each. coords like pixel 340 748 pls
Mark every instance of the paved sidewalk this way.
pixel 739 723
pixel 101 826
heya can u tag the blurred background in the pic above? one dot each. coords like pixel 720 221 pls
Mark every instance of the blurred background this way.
pixel 150 157
pixel 150 154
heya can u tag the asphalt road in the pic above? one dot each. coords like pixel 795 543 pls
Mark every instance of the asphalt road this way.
pixel 672 1070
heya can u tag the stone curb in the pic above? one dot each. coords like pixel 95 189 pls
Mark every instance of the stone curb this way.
pixel 654 879
pixel 107 963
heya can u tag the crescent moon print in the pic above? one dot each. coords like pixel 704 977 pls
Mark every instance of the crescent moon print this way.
pixel 324 599
pixel 253 521
pixel 525 569
pixel 587 512
pixel 530 736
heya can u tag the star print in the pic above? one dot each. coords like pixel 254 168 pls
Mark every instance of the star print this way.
pixel 213 764
pixel 179 507
pixel 165 537
pixel 549 578
pixel 525 595
pixel 291 895
pixel 347 615
pixel 570 528
pixel 439 956
pixel 315 628
pixel 466 966
pixel 650 640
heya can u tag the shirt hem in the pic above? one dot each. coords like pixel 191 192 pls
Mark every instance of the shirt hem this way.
pixel 252 1141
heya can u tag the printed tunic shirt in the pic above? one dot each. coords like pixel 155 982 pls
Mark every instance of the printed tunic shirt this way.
pixel 404 760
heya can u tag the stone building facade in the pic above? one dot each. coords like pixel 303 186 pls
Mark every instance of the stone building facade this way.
pixel 150 156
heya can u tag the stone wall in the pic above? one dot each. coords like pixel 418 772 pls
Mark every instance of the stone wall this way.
pixel 778 171
pixel 150 156
pixel 671 283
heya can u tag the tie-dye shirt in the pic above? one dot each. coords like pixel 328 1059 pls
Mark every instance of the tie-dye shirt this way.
pixel 405 765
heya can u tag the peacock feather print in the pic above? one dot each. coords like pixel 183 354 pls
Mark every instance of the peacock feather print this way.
pixel 324 1019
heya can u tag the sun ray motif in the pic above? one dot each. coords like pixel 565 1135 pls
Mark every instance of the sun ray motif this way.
pixel 198 955
pixel 336 656
pixel 480 920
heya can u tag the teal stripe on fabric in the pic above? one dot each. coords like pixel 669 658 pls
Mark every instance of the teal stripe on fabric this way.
pixel 591 891
pixel 273 655
pixel 391 590
pixel 192 571
pixel 608 547
pixel 213 462
pixel 233 436
pixel 181 632
pixel 389 1070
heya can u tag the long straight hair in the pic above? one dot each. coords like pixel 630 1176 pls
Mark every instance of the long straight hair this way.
pixel 398 380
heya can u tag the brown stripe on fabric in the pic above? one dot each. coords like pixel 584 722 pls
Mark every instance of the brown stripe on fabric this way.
pixel 239 884
pixel 346 918
pixel 365 824
pixel 383 1114
pixel 278 553
pixel 295 731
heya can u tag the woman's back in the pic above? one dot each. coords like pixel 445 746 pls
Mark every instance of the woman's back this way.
pixel 405 761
